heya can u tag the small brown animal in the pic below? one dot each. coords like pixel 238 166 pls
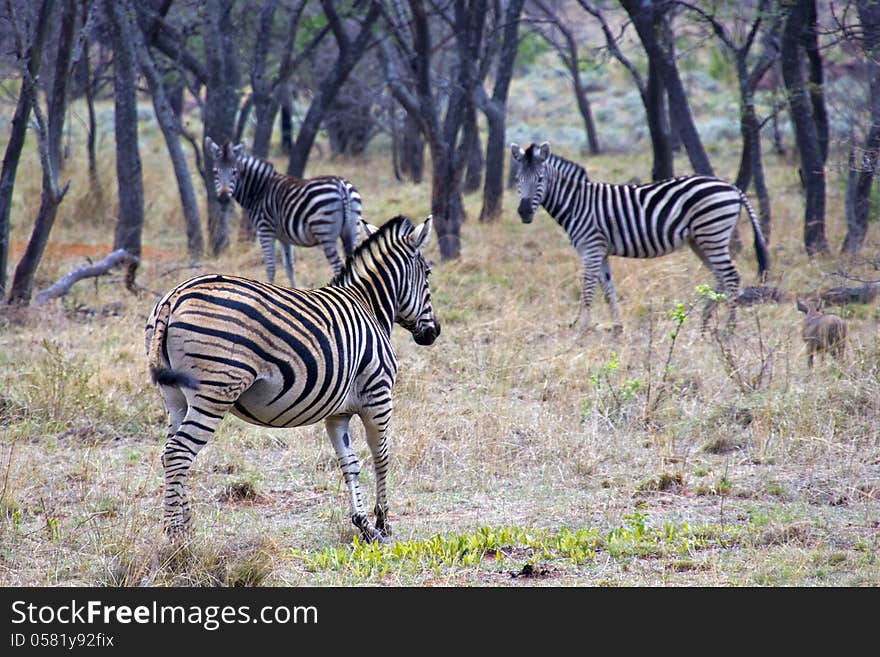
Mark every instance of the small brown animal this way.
pixel 822 332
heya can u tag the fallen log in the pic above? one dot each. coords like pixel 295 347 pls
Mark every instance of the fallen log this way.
pixel 840 296
pixel 60 287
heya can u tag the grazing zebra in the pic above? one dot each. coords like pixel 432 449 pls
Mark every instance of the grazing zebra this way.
pixel 635 221
pixel 296 211
pixel 283 357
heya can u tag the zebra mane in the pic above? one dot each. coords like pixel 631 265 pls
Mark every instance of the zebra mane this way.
pixel 568 168
pixel 398 225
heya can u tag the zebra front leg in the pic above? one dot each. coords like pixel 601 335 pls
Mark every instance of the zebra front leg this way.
pixel 337 430
pixel 591 267
pixel 376 430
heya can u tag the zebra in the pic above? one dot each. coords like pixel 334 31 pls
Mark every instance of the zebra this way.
pixel 635 221
pixel 283 357
pixel 296 211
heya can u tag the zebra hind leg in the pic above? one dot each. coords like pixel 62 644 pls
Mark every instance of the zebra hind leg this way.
pixel 610 296
pixel 376 431
pixel 337 430
pixel 180 450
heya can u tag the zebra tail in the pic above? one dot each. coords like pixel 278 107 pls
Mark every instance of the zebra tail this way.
pixel 159 373
pixel 761 252
pixel 165 376
pixel 350 223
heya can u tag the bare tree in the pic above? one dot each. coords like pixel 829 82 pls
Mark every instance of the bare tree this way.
pixel 807 133
pixel 412 38
pixel 49 138
pixel 863 169
pixel 751 164
pixel 566 48
pixel 495 109
pixel 29 55
pixel 652 93
pixel 169 123
pixel 130 188
pixel 646 15
pixel 349 51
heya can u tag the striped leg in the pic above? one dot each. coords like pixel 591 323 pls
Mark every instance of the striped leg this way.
pixel 726 278
pixel 610 294
pixel 181 447
pixel 328 244
pixel 337 430
pixel 591 268
pixel 266 237
pixel 376 426
pixel 287 258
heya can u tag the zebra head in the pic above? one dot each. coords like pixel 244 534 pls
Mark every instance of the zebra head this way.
pixel 414 311
pixel 226 172
pixel 531 179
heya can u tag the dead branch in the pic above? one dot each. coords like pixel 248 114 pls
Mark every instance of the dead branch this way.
pixel 62 285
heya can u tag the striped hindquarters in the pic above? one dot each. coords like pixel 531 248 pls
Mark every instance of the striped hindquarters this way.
pixel 645 221
pixel 283 357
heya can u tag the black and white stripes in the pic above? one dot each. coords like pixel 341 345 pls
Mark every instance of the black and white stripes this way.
pixel 282 357
pixel 302 212
pixel 634 221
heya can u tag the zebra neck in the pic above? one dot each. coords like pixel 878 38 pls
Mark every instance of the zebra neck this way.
pixel 254 175
pixel 370 288
pixel 562 189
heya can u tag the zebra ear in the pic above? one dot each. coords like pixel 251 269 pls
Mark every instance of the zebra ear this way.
pixel 419 237
pixel 238 150
pixel 543 151
pixel 214 148
pixel 368 228
pixel 517 152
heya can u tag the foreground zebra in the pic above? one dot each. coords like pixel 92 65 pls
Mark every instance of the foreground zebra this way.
pixel 296 211
pixel 635 221
pixel 282 357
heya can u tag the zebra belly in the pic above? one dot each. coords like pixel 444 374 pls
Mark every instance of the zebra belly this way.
pixel 260 404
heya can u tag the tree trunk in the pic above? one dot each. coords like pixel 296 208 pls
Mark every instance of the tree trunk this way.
pixel 412 149
pixel 496 148
pixel 473 177
pixel 31 61
pixel 812 169
pixel 646 16
pixel 58 98
pixel 221 106
pixel 91 140
pixel 170 127
pixel 286 126
pixel 495 110
pixel 22 286
pixel 859 187
pixel 349 54
pixel 128 159
pixel 658 126
pixel 815 77
pixel 244 113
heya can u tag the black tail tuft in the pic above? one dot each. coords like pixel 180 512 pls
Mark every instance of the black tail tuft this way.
pixel 165 376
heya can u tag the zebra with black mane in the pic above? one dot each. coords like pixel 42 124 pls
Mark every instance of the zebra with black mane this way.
pixel 635 221
pixel 295 211
pixel 283 357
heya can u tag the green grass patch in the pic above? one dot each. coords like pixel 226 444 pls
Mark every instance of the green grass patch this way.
pixel 503 547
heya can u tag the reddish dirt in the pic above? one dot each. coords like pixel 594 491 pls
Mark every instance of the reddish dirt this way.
pixel 80 250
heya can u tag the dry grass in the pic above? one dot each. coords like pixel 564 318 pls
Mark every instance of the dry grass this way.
pixel 509 420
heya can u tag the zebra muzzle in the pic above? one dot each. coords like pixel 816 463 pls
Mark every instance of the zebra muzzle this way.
pixel 427 335
pixel 525 211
